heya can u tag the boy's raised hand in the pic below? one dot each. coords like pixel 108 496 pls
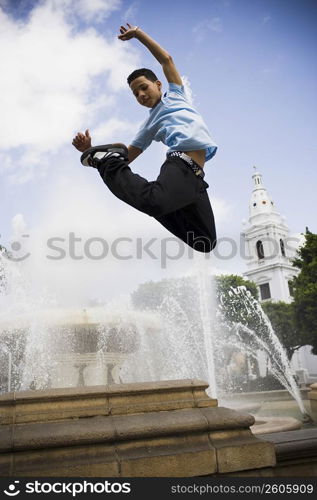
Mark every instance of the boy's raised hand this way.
pixel 82 141
pixel 127 33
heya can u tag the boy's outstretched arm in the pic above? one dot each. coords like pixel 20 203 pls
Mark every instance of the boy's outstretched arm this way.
pixel 163 57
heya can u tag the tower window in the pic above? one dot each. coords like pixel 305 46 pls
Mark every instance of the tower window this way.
pixel 282 247
pixel 259 249
pixel 265 291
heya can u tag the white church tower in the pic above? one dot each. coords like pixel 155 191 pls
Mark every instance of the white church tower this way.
pixel 268 246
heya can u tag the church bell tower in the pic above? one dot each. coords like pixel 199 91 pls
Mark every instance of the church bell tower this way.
pixel 268 245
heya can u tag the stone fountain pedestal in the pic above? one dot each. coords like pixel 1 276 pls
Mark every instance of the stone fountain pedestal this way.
pixel 73 347
pixel 78 370
pixel 152 429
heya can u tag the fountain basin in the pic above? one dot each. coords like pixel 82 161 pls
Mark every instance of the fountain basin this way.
pixel 167 428
pixel 70 347
pixel 267 425
pixel 272 404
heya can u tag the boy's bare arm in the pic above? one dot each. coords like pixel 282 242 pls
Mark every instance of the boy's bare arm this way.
pixel 133 153
pixel 160 54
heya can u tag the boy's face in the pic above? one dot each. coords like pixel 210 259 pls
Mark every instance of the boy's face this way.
pixel 146 92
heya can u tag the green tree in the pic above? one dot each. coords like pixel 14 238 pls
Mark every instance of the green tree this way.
pixel 226 282
pixel 232 305
pixel 305 291
pixel 241 326
pixel 232 308
pixel 282 318
pixel 150 295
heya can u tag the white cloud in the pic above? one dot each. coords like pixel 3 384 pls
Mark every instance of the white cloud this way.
pixel 188 88
pixel 130 14
pixel 51 78
pixel 114 130
pixel 6 163
pixel 201 29
pixel 96 10
pixel 88 10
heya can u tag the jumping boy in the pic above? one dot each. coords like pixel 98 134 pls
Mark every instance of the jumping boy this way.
pixel 177 198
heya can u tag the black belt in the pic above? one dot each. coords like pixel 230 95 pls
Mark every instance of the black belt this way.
pixel 190 162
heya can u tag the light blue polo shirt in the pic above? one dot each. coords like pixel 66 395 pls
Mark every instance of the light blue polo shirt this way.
pixel 177 124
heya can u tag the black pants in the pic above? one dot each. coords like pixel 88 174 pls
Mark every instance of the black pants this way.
pixel 177 199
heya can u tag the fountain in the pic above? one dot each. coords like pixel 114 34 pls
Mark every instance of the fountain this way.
pixel 198 337
pixel 150 360
pixel 50 347
pixel 188 333
pixel 70 347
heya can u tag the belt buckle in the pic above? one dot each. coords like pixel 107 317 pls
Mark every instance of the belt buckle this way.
pixel 187 158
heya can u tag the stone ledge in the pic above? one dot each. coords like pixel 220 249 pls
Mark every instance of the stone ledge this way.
pixel 186 455
pixel 238 451
pixel 296 455
pixel 154 429
pixel 103 429
pixel 292 445
pixel 183 456
pixel 60 404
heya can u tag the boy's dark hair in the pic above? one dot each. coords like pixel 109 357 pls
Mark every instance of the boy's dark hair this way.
pixel 148 73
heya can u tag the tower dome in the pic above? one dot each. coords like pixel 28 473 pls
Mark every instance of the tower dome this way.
pixel 261 205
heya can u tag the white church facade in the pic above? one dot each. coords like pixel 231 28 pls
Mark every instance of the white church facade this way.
pixel 268 247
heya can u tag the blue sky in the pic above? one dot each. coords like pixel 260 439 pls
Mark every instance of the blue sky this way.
pixel 252 69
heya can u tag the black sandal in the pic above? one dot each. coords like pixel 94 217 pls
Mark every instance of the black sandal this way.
pixel 94 156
